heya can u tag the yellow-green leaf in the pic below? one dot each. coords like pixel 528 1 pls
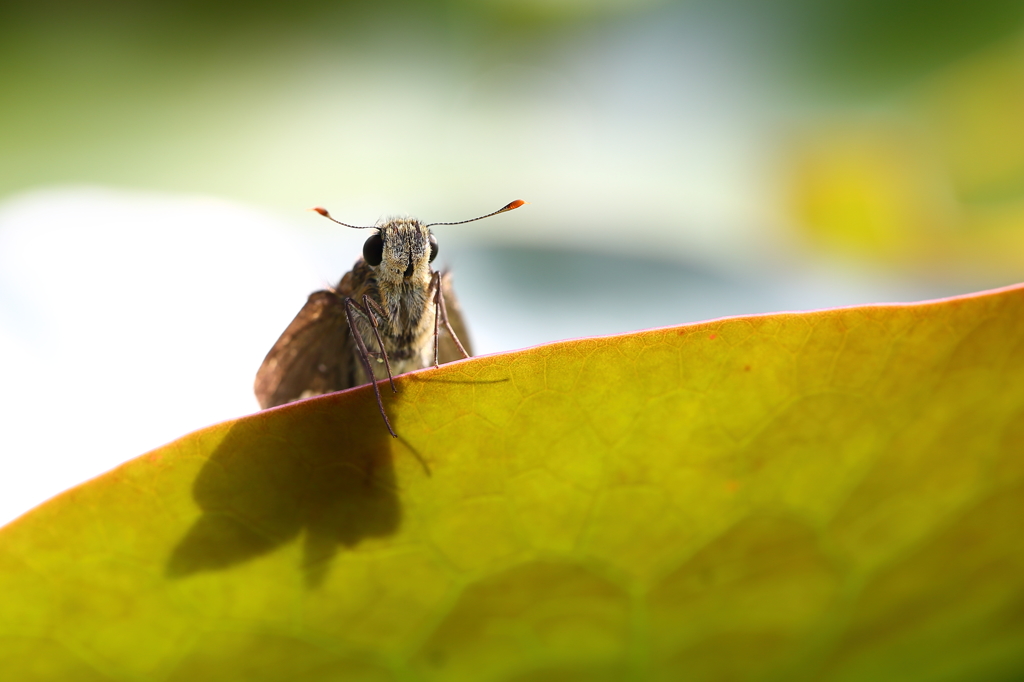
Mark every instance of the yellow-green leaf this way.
pixel 834 495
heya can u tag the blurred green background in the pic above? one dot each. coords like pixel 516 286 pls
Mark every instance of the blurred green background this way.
pixel 683 160
pixel 889 131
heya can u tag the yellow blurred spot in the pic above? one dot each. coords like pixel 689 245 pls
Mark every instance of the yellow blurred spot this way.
pixel 868 192
pixel 938 185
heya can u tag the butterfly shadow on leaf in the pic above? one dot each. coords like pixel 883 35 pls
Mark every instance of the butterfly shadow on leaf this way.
pixel 320 469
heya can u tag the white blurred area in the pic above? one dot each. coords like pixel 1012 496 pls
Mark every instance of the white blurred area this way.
pixel 128 319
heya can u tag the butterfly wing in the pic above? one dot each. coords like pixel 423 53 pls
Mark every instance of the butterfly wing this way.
pixel 312 356
pixel 447 351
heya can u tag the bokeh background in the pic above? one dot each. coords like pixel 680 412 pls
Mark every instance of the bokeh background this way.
pixel 683 161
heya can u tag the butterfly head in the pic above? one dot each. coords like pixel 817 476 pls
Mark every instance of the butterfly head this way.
pixel 400 252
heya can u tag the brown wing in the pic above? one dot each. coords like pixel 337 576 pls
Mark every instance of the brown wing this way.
pixel 447 351
pixel 312 356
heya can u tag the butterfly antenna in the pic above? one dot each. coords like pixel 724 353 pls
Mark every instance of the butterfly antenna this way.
pixel 508 207
pixel 324 213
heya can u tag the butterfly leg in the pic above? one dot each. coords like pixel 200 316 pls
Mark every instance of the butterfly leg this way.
pixel 351 307
pixel 435 283
pixel 370 306
pixel 441 313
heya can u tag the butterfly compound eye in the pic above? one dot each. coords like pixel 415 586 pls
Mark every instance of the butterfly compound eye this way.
pixel 373 250
pixel 433 248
